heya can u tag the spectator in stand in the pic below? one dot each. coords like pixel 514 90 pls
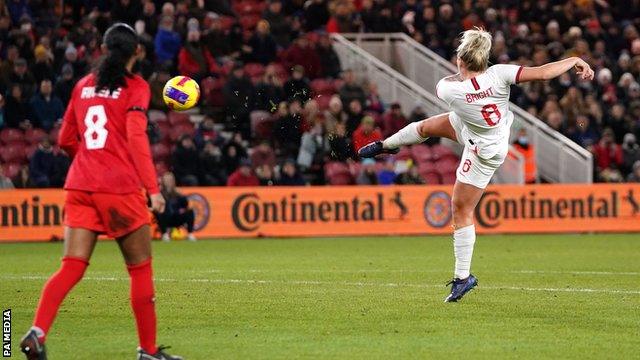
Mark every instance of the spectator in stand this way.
pixel 214 38
pixel 41 165
pixel 354 115
pixel 617 121
pixel 22 77
pixel 239 99
pixel 289 175
pixel 176 212
pixel 334 115
pixel 43 67
pixel 263 154
pixel 366 133
pixel 329 60
pixel 316 14
pixel 64 84
pixel 374 102
pixel 2 116
pixel 634 177
pixel 525 148
pixel 211 166
pixel 340 144
pixel 583 133
pixel 280 27
pixel 350 90
pixel 387 175
pixel 16 109
pixel 265 175
pixel 167 42
pixel 269 91
pixel 630 152
pixel 297 87
pixel 263 45
pixel 342 19
pixel 243 176
pixel 7 66
pixel 194 60
pixel 314 147
pixel 23 179
pixel 5 182
pixel 233 152
pixel 71 58
pixel 185 161
pixel 368 175
pixel 156 86
pixel 393 120
pixel 287 130
pixel 46 108
pixel 410 177
pixel 608 154
pixel 61 164
pixel 205 132
pixel 303 54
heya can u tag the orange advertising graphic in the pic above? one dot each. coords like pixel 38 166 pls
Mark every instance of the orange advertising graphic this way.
pixel 36 215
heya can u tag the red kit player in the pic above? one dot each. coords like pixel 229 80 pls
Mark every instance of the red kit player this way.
pixel 104 131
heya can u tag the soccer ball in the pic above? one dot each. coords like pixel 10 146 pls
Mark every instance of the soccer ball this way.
pixel 181 93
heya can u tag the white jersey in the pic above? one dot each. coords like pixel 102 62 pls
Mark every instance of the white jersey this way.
pixel 482 105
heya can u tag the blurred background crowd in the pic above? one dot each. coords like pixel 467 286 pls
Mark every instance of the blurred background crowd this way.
pixel 278 108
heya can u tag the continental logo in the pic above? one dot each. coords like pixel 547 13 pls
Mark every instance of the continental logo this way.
pixel 30 212
pixel 249 211
pixel 493 208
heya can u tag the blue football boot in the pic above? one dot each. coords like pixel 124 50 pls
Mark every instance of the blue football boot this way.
pixel 460 287
pixel 374 149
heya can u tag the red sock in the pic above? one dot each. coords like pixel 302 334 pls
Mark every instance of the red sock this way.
pixel 142 302
pixel 56 289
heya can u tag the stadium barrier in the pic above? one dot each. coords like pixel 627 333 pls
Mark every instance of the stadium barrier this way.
pixel 223 212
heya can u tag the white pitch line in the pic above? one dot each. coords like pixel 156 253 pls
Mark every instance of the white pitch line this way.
pixel 338 283
pixel 358 271
pixel 576 272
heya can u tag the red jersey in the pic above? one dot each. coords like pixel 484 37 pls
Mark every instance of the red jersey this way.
pixel 105 134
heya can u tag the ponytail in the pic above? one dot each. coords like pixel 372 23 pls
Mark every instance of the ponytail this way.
pixel 121 42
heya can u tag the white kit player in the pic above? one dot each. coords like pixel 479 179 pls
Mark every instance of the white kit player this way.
pixel 480 119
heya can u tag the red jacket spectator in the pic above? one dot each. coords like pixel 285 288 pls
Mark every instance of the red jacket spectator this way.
pixel 194 60
pixel 393 121
pixel 243 176
pixel 302 53
pixel 365 133
pixel 607 152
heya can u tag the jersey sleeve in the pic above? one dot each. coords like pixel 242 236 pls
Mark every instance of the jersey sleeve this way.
pixel 508 74
pixel 139 96
pixel 443 92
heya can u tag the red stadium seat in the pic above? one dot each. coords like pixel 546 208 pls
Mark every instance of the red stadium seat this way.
pixel 421 153
pixel 427 166
pixel 226 22
pixel 29 150
pixel 8 135
pixel 157 115
pixel 176 118
pixel 161 168
pixel 12 170
pixel 323 101
pixel 449 178
pixel 355 168
pixel 322 87
pixel 165 129
pixel 446 165
pixel 404 154
pixel 248 22
pixel 254 70
pixel 440 151
pixel 181 129
pixel 212 91
pixel 341 179
pixel 160 152
pixel 13 153
pixel 335 168
pixel 34 136
pixel 263 130
pixel 431 177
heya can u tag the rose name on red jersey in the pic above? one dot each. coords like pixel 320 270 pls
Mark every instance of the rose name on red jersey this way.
pixel 89 92
pixel 481 95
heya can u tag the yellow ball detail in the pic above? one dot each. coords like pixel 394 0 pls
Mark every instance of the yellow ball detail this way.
pixel 181 93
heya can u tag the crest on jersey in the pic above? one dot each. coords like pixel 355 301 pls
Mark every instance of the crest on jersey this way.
pixel 437 209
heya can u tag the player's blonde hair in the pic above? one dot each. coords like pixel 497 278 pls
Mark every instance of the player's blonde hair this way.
pixel 474 49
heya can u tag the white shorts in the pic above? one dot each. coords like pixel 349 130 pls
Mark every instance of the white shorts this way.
pixel 473 169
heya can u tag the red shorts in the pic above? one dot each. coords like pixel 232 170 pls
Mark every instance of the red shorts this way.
pixel 113 214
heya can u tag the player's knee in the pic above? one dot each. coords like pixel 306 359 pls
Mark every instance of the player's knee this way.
pixel 461 210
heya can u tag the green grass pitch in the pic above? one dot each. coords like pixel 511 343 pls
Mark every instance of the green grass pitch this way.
pixel 542 296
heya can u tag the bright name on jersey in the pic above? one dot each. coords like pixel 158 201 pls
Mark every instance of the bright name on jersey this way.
pixel 89 92
pixel 481 95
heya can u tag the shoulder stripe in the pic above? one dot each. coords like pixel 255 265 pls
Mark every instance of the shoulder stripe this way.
pixel 476 86
pixel 518 74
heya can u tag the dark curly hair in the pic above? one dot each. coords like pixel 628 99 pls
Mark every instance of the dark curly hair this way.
pixel 121 42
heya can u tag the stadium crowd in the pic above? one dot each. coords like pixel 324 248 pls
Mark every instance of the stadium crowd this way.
pixel 278 108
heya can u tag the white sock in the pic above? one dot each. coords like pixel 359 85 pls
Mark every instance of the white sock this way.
pixel 408 135
pixel 463 240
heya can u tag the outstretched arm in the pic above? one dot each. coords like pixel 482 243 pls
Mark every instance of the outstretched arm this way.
pixel 555 69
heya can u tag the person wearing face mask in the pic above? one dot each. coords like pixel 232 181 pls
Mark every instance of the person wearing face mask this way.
pixel 525 148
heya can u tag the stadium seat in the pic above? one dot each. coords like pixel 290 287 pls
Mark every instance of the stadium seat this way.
pixel 427 166
pixel 338 173
pixel 180 130
pixel 449 178
pixel 248 22
pixel 323 101
pixel 29 150
pixel 12 170
pixel 440 151
pixel 212 91
pixel 431 177
pixel 257 117
pixel 178 118
pixel 322 87
pixel 160 152
pixel 404 154
pixel 263 129
pixel 13 153
pixel 157 115
pixel 341 179
pixel 421 153
pixel 355 168
pixel 8 135
pixel 226 22
pixel 34 136
pixel 447 164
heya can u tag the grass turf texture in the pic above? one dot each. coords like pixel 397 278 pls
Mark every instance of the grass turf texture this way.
pixel 352 298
